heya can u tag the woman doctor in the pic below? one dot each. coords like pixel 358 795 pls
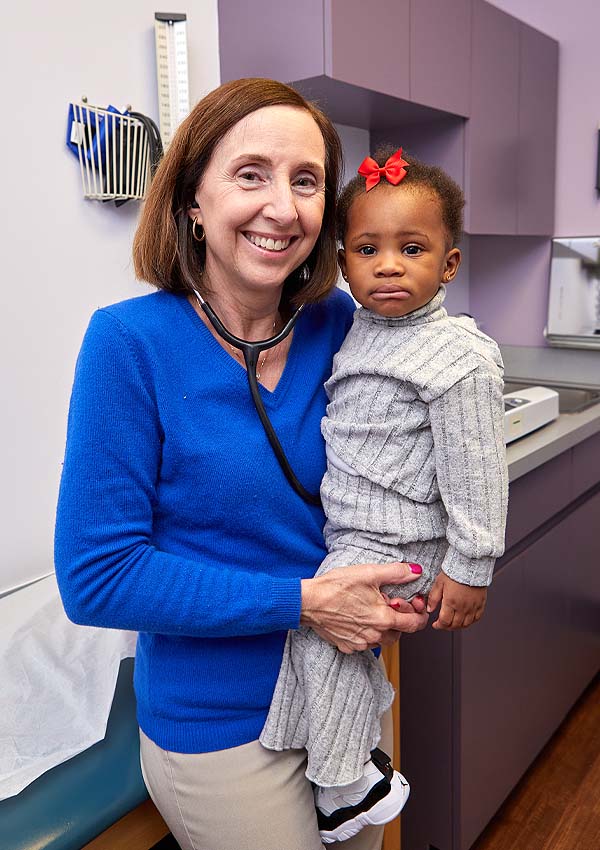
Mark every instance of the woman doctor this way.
pixel 175 518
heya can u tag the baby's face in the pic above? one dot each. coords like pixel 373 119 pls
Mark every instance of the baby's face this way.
pixel 395 250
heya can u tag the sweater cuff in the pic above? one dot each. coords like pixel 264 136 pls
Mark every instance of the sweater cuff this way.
pixel 474 572
pixel 286 603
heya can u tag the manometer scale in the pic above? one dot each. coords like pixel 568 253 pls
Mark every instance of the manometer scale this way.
pixel 170 30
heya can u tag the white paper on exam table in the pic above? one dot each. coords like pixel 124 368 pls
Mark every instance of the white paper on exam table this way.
pixel 58 682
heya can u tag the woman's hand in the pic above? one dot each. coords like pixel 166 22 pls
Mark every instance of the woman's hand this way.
pixel 346 607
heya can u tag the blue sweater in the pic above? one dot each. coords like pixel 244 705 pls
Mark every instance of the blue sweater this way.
pixel 174 518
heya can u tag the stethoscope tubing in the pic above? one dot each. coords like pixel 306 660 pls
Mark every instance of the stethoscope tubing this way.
pixel 251 352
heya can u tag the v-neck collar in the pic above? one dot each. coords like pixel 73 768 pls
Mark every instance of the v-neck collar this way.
pixel 234 369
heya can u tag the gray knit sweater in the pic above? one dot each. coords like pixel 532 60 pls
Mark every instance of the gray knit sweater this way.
pixel 416 472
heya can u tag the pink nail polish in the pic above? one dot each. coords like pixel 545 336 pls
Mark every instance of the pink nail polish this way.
pixel 416 568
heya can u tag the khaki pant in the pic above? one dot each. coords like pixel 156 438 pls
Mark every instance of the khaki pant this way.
pixel 244 798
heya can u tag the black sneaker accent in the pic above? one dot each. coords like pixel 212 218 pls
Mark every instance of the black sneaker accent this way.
pixel 340 816
pixel 382 762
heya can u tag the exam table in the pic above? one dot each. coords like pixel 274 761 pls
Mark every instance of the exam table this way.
pixel 71 804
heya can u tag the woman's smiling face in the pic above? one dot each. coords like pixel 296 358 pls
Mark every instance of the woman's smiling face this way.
pixel 396 249
pixel 261 200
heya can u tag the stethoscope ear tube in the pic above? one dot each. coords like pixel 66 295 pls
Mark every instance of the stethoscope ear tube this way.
pixel 251 352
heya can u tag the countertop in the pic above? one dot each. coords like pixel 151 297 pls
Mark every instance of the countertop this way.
pixel 527 453
pixel 536 366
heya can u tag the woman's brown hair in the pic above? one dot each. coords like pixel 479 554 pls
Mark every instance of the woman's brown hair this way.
pixel 164 250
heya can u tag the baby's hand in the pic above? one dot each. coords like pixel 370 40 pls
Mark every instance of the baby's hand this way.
pixel 461 605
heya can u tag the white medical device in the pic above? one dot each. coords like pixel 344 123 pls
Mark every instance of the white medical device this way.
pixel 170 35
pixel 527 410
pixel 574 302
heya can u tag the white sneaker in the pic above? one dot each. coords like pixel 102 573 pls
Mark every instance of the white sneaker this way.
pixel 374 799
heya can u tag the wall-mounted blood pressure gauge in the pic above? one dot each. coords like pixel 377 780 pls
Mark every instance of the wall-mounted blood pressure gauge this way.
pixel 170 29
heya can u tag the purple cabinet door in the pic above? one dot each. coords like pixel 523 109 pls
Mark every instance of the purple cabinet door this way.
pixel 583 575
pixel 283 41
pixel 368 44
pixel 428 737
pixel 538 92
pixel 440 54
pixel 492 745
pixel 586 465
pixel 527 511
pixel 525 664
pixel 491 135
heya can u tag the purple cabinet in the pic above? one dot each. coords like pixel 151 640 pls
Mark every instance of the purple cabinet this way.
pixel 491 135
pixel 526 510
pixel 320 41
pixel 428 738
pixel 510 148
pixel 512 679
pixel 586 465
pixel 460 83
pixel 479 705
pixel 369 45
pixel 283 41
pixel 582 562
pixel 365 64
pixel 538 98
pixel 492 677
pixel 440 54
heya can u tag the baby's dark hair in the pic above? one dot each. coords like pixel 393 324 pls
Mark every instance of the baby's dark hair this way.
pixel 452 199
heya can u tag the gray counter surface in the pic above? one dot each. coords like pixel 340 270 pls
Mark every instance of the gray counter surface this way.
pixel 535 366
pixel 527 453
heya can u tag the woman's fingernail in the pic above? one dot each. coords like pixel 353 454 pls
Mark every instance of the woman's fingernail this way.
pixel 416 568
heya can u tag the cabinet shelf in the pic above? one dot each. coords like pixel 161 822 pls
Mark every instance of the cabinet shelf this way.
pixel 347 103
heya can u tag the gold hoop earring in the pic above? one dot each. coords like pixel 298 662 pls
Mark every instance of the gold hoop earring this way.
pixel 194 225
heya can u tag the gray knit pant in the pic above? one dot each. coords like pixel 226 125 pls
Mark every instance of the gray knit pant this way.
pixel 326 701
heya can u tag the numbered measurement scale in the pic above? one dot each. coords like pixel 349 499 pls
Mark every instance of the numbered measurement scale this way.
pixel 170 30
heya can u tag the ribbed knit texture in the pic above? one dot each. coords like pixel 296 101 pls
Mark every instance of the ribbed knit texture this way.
pixel 416 410
pixel 174 518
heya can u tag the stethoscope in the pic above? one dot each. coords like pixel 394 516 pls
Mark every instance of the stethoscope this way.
pixel 251 352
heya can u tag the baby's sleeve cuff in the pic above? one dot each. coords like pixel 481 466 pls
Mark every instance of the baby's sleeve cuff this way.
pixel 474 572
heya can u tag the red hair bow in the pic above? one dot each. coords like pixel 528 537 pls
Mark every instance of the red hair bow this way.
pixel 394 170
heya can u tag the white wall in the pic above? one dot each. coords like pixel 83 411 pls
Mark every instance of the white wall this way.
pixel 63 256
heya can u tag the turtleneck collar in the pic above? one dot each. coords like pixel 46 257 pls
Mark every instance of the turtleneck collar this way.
pixel 430 312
